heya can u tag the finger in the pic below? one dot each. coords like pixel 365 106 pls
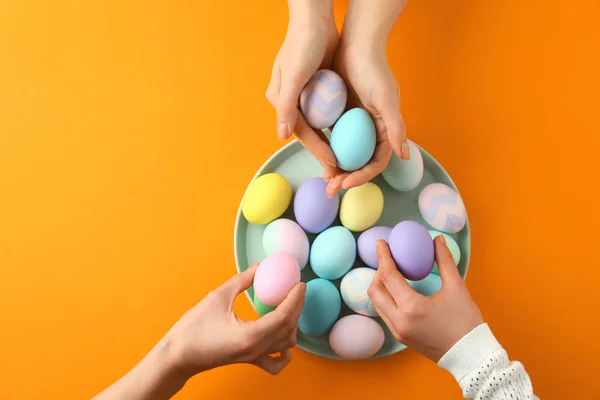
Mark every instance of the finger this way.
pixel 389 109
pixel 334 185
pixel 287 104
pixel 386 319
pixel 238 283
pixel 389 275
pixel 274 85
pixel 448 271
pixel 287 313
pixel 316 146
pixel 381 298
pixel 380 160
pixel 274 365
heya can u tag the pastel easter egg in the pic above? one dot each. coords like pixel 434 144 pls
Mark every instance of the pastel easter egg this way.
pixel 452 246
pixel 275 277
pixel 314 211
pixel 361 207
pixel 287 236
pixel 442 208
pixel 405 175
pixel 412 249
pixel 356 337
pixel 354 291
pixel 333 253
pixel 261 308
pixel 323 99
pixel 266 199
pixel 428 286
pixel 367 244
pixel 321 308
pixel 353 139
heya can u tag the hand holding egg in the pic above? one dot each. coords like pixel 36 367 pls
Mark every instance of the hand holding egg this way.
pixel 431 323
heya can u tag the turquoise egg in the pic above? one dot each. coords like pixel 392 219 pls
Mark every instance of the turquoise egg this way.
pixel 321 308
pixel 428 286
pixel 452 246
pixel 353 139
pixel 333 253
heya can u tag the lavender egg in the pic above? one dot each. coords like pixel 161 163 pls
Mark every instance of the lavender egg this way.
pixel 412 249
pixel 323 99
pixel 367 244
pixel 314 211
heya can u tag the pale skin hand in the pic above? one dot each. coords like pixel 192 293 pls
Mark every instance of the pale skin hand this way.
pixel 431 325
pixel 210 335
pixel 361 61
pixel 309 45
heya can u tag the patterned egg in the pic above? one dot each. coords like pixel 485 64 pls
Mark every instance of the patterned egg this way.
pixel 367 244
pixel 428 286
pixel 412 249
pixel 333 253
pixel 323 99
pixel 275 277
pixel 287 236
pixel 361 207
pixel 314 211
pixel 260 307
pixel 321 308
pixel 356 337
pixel 405 175
pixel 442 208
pixel 452 246
pixel 353 139
pixel 266 199
pixel 354 291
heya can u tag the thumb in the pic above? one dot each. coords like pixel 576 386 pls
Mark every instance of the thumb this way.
pixel 238 283
pixel 443 257
pixel 395 128
pixel 287 107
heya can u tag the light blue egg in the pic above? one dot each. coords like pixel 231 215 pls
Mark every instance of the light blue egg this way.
pixel 333 253
pixel 321 308
pixel 353 139
pixel 452 246
pixel 354 288
pixel 405 175
pixel 428 286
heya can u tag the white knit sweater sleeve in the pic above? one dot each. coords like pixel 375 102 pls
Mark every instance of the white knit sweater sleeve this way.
pixel 482 368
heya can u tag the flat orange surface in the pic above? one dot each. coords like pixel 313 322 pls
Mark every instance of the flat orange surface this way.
pixel 130 129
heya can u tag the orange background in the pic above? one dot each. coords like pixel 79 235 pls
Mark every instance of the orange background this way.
pixel 130 129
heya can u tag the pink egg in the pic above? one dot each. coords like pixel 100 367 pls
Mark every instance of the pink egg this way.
pixel 356 337
pixel 323 99
pixel 275 277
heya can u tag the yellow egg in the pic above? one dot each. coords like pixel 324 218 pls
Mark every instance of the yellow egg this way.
pixel 266 199
pixel 361 207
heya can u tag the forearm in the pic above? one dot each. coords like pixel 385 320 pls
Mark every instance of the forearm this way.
pixel 369 22
pixel 303 11
pixel 155 378
pixel 483 370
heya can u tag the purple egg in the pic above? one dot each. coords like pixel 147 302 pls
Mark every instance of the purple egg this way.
pixel 314 211
pixel 367 244
pixel 412 249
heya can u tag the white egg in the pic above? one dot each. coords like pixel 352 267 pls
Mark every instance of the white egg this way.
pixel 354 291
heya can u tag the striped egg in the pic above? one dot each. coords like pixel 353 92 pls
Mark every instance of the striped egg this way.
pixel 323 99
pixel 442 208
pixel 354 291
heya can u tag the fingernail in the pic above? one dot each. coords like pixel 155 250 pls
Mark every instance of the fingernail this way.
pixel 378 244
pixel 283 131
pixel 441 239
pixel 405 151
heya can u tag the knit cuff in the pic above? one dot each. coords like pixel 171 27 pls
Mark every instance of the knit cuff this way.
pixel 470 352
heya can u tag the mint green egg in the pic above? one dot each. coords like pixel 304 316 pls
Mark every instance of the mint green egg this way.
pixel 261 308
pixel 428 286
pixel 452 246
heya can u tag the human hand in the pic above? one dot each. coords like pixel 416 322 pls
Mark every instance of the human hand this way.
pixel 431 325
pixel 211 335
pixel 309 45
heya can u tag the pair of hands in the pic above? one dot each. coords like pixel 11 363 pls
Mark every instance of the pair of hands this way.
pixel 312 42
pixel 210 335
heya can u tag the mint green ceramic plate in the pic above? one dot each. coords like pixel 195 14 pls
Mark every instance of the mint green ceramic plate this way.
pixel 297 165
